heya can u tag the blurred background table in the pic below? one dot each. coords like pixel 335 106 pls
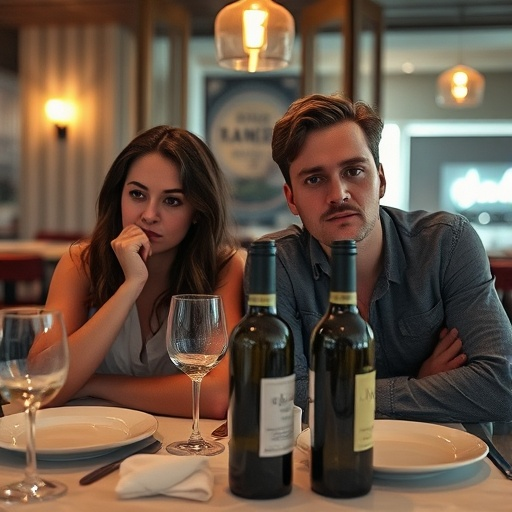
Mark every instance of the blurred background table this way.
pixel 50 250
pixel 26 269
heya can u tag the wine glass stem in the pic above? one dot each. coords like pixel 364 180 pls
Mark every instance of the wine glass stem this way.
pixel 31 467
pixel 196 388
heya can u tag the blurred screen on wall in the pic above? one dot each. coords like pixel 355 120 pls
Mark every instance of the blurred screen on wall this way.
pixel 482 192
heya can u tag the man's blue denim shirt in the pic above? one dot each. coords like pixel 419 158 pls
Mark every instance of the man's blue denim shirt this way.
pixel 435 273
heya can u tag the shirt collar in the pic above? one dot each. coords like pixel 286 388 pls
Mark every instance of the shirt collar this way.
pixel 320 263
pixel 394 262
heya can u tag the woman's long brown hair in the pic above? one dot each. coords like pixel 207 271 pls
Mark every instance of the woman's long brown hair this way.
pixel 208 245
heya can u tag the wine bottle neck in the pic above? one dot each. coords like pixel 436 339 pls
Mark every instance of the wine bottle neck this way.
pixel 262 277
pixel 343 277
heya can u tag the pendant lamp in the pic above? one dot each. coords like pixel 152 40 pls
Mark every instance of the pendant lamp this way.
pixel 254 35
pixel 460 86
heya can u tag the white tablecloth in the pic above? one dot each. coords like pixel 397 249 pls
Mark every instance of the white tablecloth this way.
pixel 477 487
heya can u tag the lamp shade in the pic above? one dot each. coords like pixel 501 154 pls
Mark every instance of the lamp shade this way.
pixel 460 86
pixel 254 35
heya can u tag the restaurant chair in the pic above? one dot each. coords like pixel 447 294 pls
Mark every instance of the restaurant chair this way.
pixel 501 269
pixel 18 268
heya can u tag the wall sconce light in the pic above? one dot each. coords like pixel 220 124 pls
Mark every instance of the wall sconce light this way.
pixel 254 35
pixel 460 86
pixel 61 113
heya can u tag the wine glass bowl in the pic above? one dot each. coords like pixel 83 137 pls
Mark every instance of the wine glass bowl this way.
pixel 33 367
pixel 196 342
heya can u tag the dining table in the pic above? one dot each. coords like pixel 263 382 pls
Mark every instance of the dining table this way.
pixel 478 486
pixel 50 250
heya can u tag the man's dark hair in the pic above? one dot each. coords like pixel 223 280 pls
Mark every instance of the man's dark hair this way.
pixel 319 111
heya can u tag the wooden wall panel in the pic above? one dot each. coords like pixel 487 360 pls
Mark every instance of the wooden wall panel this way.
pixel 93 66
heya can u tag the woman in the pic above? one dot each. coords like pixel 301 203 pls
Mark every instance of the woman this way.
pixel 161 230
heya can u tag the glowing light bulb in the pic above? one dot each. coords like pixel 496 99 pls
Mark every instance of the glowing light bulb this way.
pixel 460 78
pixel 59 111
pixel 459 85
pixel 254 35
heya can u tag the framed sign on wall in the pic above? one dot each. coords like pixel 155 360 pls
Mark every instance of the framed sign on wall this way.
pixel 240 117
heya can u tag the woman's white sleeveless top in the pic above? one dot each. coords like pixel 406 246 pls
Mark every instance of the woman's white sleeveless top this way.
pixel 130 356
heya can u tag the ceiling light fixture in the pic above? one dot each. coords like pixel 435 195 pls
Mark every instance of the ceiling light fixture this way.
pixel 460 86
pixel 254 35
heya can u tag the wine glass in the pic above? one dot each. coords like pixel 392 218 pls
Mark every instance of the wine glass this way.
pixel 33 367
pixel 196 341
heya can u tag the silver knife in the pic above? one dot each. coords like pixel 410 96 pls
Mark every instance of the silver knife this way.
pixel 496 457
pixel 151 445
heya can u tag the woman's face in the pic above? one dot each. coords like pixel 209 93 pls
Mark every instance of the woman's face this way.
pixel 153 199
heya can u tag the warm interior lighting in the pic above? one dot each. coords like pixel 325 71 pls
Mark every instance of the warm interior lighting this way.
pixel 460 86
pixel 61 113
pixel 254 36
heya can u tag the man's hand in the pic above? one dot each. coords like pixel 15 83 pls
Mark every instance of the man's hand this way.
pixel 446 356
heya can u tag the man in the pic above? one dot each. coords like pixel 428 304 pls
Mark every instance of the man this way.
pixel 443 340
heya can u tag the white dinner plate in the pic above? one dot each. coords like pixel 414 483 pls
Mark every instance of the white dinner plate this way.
pixel 77 432
pixel 412 449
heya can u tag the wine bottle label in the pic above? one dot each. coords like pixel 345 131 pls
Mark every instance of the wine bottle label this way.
pixel 343 298
pixel 262 300
pixel 276 416
pixel 364 411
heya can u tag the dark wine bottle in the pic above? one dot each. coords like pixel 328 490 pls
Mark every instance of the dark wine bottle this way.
pixel 342 387
pixel 262 388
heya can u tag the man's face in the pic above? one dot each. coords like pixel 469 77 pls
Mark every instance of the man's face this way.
pixel 335 185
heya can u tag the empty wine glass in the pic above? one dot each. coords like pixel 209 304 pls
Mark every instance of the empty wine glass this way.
pixel 33 367
pixel 196 341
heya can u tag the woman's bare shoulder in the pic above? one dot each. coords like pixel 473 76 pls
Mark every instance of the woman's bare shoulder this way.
pixel 73 256
pixel 234 267
pixel 70 280
pixel 241 256
pixel 237 262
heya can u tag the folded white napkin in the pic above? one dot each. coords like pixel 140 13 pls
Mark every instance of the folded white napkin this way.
pixel 181 477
